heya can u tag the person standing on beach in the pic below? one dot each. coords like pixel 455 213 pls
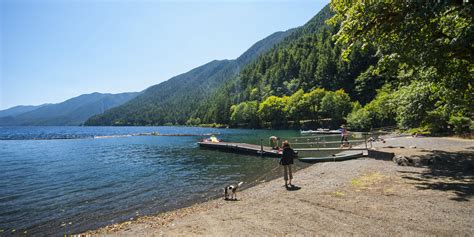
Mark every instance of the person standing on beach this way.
pixel 286 161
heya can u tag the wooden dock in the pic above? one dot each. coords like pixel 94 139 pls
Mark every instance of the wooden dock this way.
pixel 242 148
pixel 331 149
pixel 251 149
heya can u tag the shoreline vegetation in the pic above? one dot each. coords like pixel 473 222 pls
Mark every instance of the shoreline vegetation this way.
pixel 468 134
pixel 429 194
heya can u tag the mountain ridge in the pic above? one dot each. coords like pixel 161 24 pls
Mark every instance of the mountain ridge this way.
pixel 19 109
pixel 73 111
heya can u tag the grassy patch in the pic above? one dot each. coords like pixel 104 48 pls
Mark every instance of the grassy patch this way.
pixel 338 194
pixel 367 180
pixel 388 191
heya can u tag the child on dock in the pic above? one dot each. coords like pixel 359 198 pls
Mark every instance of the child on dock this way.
pixel 274 142
pixel 344 136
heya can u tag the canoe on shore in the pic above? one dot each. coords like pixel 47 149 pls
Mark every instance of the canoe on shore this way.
pixel 336 157
pixel 320 131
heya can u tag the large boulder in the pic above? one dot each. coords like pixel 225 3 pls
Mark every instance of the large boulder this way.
pixel 401 160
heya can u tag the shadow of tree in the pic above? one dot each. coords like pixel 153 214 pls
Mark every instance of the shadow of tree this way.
pixel 446 171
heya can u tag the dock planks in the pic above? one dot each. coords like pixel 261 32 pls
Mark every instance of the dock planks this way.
pixel 242 148
pixel 251 149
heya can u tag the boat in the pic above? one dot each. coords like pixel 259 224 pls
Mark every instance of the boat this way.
pixel 320 131
pixel 336 157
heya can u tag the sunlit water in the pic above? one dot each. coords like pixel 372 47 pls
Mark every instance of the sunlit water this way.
pixel 62 180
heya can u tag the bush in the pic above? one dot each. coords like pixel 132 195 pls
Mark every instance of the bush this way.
pixel 272 110
pixel 336 105
pixel 413 104
pixel 193 122
pixel 436 122
pixel 360 120
pixel 245 113
pixel 461 124
pixel 382 108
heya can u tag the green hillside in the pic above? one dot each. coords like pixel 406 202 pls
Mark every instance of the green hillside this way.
pixel 306 60
pixel 179 98
pixel 374 65
pixel 369 65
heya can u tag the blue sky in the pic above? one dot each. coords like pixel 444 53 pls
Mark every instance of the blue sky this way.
pixel 53 50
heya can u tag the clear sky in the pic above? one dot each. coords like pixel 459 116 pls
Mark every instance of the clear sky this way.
pixel 52 50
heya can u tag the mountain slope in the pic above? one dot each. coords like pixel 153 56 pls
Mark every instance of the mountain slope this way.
pixel 306 59
pixel 20 109
pixel 70 112
pixel 174 100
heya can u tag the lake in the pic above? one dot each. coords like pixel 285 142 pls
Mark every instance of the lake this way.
pixel 64 180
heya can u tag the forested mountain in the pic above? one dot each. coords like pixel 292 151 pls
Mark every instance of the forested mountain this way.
pixel 174 100
pixel 306 60
pixel 178 99
pixel 70 112
pixel 367 64
pixel 375 64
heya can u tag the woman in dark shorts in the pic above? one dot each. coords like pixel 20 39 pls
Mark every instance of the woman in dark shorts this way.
pixel 287 161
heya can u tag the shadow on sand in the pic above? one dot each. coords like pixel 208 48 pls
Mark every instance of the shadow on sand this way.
pixel 231 199
pixel 447 171
pixel 293 188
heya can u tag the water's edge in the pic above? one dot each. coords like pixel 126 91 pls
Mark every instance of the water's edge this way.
pixel 272 176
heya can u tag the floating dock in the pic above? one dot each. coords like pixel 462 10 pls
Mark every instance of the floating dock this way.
pixel 251 149
pixel 331 149
pixel 242 148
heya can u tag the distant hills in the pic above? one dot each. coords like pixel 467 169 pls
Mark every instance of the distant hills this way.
pixel 13 111
pixel 74 111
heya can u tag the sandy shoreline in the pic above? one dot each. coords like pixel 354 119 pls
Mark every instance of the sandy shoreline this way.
pixel 363 197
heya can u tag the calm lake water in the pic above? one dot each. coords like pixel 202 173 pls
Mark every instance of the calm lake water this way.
pixel 63 180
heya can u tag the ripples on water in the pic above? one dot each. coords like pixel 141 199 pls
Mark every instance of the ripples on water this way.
pixel 56 187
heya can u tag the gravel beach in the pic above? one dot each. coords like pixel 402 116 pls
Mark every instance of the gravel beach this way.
pixel 431 195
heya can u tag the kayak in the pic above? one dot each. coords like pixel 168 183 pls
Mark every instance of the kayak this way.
pixel 321 131
pixel 336 157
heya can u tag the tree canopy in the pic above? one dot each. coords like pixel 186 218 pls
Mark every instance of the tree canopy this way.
pixel 427 47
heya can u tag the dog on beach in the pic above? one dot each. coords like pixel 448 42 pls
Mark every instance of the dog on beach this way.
pixel 230 192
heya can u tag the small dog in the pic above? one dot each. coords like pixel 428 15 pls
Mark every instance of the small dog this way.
pixel 231 191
